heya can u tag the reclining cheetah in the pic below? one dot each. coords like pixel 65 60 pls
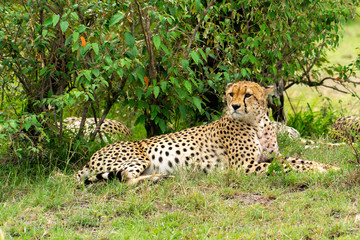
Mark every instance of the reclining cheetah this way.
pixel 109 126
pixel 242 139
pixel 346 129
pixel 281 128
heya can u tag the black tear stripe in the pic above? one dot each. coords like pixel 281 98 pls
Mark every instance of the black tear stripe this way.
pixel 245 105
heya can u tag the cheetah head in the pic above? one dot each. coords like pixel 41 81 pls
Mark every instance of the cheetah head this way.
pixel 246 100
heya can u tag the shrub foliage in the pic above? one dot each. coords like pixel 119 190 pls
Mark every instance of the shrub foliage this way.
pixel 167 60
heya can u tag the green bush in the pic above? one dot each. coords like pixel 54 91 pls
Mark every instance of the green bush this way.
pixel 169 61
pixel 312 123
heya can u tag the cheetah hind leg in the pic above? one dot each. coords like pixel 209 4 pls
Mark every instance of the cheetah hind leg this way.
pixel 84 177
pixel 127 178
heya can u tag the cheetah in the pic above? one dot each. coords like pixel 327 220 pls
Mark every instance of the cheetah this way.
pixel 109 127
pixel 281 128
pixel 242 139
pixel 346 129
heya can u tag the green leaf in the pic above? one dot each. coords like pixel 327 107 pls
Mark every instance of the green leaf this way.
pixel 188 86
pixel 252 58
pixel 140 120
pixel 64 26
pixel 197 102
pixel 120 72
pixel 87 74
pixel 155 109
pixel 139 92
pixel 108 60
pixel 129 39
pixel 74 16
pixel 202 54
pixel 162 125
pixel 156 91
pixel 157 41
pixel 244 72
pixel 245 59
pixel 140 72
pixel 48 21
pixel 83 50
pixel 148 92
pixel 26 125
pixel 184 63
pixel 96 72
pixel 75 47
pixel 227 76
pixel 273 70
pixel 165 49
pixel 116 18
pixel 143 105
pixel 55 19
pixel 68 40
pixel 175 81
pixel 95 47
pixel 44 33
pixel 183 111
pixel 197 5
pixel 195 56
pixel 75 36
pixel 42 71
pixel 81 28
pixel 163 85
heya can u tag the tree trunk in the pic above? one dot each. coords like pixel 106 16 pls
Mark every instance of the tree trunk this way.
pixel 152 129
pixel 276 102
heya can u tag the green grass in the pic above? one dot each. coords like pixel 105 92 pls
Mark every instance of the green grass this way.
pixel 220 205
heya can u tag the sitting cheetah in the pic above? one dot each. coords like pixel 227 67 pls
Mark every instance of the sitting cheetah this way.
pixel 346 129
pixel 236 141
pixel 109 126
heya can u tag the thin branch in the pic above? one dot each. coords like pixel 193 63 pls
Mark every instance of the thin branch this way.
pixel 147 34
pixel 83 119
pixel 51 8
pixel 292 107
pixel 197 28
pixel 310 84
pixel 335 88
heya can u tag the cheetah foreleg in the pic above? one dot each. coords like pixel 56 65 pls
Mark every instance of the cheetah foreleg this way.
pixel 154 178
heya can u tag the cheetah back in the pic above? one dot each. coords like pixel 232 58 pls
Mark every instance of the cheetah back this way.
pixel 346 129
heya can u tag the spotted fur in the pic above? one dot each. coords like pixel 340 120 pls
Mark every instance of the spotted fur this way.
pixel 346 129
pixel 281 128
pixel 109 126
pixel 242 139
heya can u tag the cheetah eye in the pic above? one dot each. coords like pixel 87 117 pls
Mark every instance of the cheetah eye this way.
pixel 231 94
pixel 247 95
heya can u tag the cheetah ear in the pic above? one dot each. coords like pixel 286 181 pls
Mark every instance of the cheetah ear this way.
pixel 229 85
pixel 268 90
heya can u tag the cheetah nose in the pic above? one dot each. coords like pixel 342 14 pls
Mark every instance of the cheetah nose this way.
pixel 235 106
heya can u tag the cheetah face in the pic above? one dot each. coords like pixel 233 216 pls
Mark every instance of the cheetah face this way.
pixel 246 100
